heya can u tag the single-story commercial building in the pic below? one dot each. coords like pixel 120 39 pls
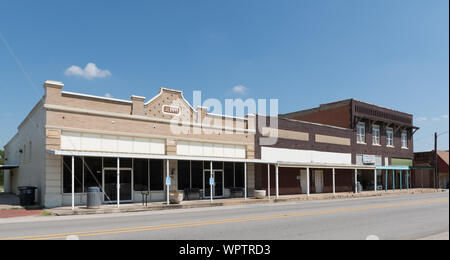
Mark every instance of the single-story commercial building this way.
pixel 127 147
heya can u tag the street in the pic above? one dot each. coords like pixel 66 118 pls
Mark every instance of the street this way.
pixel 385 218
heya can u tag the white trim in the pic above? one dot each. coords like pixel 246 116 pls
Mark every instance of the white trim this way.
pixel 96 97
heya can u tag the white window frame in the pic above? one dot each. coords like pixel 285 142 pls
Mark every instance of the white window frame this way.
pixel 361 135
pixel 376 139
pixel 404 139
pixel 389 130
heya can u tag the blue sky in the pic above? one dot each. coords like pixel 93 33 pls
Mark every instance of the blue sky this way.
pixel 393 53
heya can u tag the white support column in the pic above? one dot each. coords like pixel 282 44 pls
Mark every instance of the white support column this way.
pixel 356 180
pixel 375 184
pixel 334 181
pixel 167 186
pixel 118 182
pixel 73 183
pixel 308 188
pixel 210 185
pixel 7 181
pixel 277 170
pixel 245 181
pixel 268 180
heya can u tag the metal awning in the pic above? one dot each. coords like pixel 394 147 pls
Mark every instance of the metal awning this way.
pixel 394 167
pixel 325 166
pixel 156 157
pixel 8 167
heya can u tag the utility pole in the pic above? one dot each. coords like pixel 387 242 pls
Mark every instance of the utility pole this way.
pixel 436 174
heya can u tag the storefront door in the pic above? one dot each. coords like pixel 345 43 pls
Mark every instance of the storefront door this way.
pixel 110 185
pixel 218 183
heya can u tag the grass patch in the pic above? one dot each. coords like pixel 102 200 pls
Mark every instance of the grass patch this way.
pixel 46 213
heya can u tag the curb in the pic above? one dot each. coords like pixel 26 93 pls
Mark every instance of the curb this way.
pixel 220 204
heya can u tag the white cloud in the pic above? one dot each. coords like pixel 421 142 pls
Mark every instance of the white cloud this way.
pixel 91 71
pixel 420 119
pixel 239 89
pixel 445 116
pixel 108 95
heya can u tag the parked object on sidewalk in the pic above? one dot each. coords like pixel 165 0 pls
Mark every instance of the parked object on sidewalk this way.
pixel 359 187
pixel 94 197
pixel 176 197
pixel 260 194
pixel 27 195
pixel 237 192
pixel 192 194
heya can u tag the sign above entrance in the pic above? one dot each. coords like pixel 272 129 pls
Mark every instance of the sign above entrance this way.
pixel 369 159
pixel 172 110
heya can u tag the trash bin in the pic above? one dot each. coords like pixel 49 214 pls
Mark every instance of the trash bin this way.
pixel 27 195
pixel 94 197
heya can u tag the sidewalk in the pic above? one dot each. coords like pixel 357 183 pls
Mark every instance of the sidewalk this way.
pixel 136 207
pixel 10 207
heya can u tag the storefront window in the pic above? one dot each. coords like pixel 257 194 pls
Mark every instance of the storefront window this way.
pixel 67 174
pixel 156 175
pixel 197 175
pixel 140 171
pixel 239 175
pixel 92 172
pixel 229 175
pixel 184 175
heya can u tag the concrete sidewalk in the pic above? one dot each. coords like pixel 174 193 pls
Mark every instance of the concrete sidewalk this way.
pixel 135 207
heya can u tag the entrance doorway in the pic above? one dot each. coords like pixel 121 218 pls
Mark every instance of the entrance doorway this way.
pixel 110 185
pixel 318 180
pixel 218 183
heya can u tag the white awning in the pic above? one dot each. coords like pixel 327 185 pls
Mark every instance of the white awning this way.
pixel 156 157
pixel 325 166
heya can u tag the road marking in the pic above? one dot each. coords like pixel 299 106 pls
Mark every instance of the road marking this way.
pixel 215 222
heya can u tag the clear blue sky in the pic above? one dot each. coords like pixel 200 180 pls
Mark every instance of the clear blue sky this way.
pixel 393 53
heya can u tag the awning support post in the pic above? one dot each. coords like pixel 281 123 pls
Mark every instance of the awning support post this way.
pixel 386 183
pixel 118 182
pixel 356 180
pixel 210 184
pixel 308 192
pixel 334 181
pixel 167 186
pixel 73 183
pixel 407 180
pixel 393 180
pixel 268 180
pixel 401 181
pixel 375 180
pixel 245 181
pixel 277 170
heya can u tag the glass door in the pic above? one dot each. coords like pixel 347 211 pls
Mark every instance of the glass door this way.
pixel 110 185
pixel 218 183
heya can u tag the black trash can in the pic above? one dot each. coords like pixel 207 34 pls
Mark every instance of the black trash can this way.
pixel 27 195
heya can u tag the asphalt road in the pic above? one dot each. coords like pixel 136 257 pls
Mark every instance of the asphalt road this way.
pixel 385 218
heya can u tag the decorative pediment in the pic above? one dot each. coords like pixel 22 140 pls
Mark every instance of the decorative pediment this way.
pixel 169 104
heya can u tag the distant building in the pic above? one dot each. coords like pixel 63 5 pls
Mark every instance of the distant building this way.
pixel 424 164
